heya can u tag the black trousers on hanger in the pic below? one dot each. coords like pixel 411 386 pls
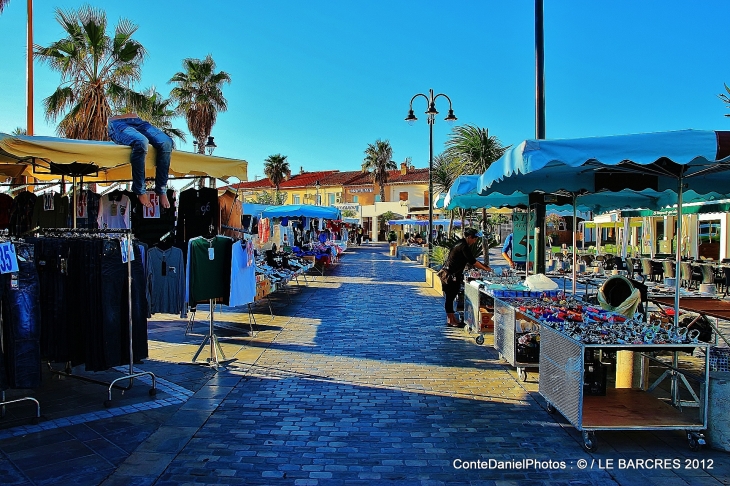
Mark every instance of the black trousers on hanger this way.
pixel 52 264
pixel 115 306
pixel 21 321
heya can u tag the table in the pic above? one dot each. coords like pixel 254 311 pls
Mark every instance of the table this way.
pixel 704 306
pixel 563 385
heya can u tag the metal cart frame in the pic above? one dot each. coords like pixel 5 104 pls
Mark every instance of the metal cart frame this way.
pixel 561 384
pixel 472 314
pixel 505 337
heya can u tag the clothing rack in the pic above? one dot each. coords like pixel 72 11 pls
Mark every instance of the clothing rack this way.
pixel 125 234
pixel 3 401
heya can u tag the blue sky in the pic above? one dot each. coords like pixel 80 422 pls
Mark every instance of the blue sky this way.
pixel 319 80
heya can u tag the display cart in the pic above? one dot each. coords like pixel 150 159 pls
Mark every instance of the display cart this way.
pixel 505 337
pixel 476 298
pixel 563 385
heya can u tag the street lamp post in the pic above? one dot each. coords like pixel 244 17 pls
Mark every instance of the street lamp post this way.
pixel 411 118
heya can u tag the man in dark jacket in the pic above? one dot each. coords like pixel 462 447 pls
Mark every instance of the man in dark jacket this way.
pixel 459 257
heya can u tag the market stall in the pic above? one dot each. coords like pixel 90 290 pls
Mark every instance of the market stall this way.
pixel 671 168
pixel 308 225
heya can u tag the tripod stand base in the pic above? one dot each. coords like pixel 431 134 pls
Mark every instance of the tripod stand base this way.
pixel 215 352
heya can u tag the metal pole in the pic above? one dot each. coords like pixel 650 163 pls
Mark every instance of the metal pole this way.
pixel 575 241
pixel 29 129
pixel 678 254
pixel 539 72
pixel 430 181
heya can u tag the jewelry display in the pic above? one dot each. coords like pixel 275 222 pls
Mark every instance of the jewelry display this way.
pixel 592 325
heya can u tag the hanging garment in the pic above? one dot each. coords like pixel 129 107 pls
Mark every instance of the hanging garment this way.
pixel 21 214
pixel 209 269
pixel 6 207
pixel 149 229
pixel 166 280
pixel 243 275
pixel 231 213
pixel 114 209
pixel 51 262
pixel 51 210
pixel 21 321
pixel 87 210
pixel 198 214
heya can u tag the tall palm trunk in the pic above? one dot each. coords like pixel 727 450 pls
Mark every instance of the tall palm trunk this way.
pixel 451 223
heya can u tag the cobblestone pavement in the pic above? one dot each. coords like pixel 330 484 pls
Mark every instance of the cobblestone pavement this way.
pixel 353 379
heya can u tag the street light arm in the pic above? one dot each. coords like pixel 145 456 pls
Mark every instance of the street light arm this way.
pixel 416 96
pixel 445 96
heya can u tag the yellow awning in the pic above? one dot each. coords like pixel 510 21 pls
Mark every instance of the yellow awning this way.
pixel 33 154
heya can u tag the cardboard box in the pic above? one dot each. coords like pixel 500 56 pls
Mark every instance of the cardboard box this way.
pixel 487 323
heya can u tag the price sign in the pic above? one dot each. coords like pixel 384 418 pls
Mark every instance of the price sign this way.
pixel 127 252
pixel 8 259
pixel 154 211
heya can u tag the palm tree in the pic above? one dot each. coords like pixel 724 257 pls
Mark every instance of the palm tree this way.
pixel 445 171
pixel 3 3
pixel 97 71
pixel 476 150
pixel 154 108
pixel 199 96
pixel 724 97
pixel 19 131
pixel 378 161
pixel 276 167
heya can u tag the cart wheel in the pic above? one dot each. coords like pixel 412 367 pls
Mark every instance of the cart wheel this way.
pixel 551 408
pixel 479 339
pixel 522 374
pixel 695 441
pixel 589 442
pixel 107 403
pixel 153 392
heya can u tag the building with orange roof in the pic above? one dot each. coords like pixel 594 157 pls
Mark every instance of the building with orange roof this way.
pixel 355 192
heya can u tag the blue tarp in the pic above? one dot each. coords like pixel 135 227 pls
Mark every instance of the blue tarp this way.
pixel 302 210
pixel 254 209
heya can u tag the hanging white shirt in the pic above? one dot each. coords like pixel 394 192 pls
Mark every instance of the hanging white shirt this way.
pixel 243 275
pixel 114 211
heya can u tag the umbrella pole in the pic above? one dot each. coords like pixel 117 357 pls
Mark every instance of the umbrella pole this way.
pixel 678 254
pixel 575 242
pixel 76 202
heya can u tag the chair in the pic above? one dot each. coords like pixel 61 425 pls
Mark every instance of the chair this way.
pixel 726 275
pixel 588 259
pixel 646 269
pixel 708 276
pixel 719 279
pixel 630 267
pixel 669 269
pixel 657 270
pixel 689 275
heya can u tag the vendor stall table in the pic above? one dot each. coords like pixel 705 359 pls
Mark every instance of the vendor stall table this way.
pixel 506 338
pixel 704 306
pixel 564 385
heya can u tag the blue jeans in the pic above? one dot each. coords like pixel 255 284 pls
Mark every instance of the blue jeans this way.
pixel 139 134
